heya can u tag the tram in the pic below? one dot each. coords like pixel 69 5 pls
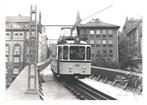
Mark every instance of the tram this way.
pixel 71 59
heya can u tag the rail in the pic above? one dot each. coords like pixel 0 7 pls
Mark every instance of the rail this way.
pixel 41 66
pixel 118 71
pixel 84 91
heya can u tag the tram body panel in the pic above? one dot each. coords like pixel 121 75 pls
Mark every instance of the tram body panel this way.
pixel 74 68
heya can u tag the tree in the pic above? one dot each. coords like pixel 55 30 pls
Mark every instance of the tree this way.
pixel 125 58
pixel 102 61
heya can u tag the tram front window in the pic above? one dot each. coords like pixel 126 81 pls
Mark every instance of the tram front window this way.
pixel 65 52
pixel 77 53
pixel 88 53
pixel 60 52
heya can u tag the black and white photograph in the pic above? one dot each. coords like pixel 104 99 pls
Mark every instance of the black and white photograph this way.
pixel 65 50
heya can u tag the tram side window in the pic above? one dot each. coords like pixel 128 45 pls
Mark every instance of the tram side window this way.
pixel 54 52
pixel 65 52
pixel 77 52
pixel 88 53
pixel 59 52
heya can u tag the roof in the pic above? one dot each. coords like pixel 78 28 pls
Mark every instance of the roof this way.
pixel 97 23
pixel 17 19
pixel 133 25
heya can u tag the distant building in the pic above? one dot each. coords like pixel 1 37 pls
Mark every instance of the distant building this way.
pixel 132 31
pixel 51 43
pixel 43 47
pixel 103 37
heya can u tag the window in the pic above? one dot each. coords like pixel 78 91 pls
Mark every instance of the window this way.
pixel 98 43
pixel 7 52
pixel 8 35
pixel 98 36
pixel 104 42
pixel 27 35
pixel 98 51
pixel 103 31
pixel 17 50
pixel 16 58
pixel 7 58
pixel 21 35
pixel 18 35
pixel 110 43
pixel 15 36
pixel 65 52
pixel 16 70
pixel 91 31
pixel 91 36
pixel 110 55
pixel 91 41
pixel 103 36
pixel 92 45
pixel 60 53
pixel 110 51
pixel 104 51
pixel 88 53
pixel 77 52
pixel 109 31
pixel 7 49
pixel 110 35
pixel 98 32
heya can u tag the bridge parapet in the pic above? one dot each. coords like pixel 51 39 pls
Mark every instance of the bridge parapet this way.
pixel 122 78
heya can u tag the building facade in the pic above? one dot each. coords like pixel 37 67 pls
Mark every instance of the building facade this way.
pixel 17 45
pixel 51 43
pixel 43 48
pixel 103 37
pixel 132 35
pixel 17 29
pixel 132 30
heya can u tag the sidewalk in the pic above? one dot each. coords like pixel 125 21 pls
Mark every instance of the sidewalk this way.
pixel 17 89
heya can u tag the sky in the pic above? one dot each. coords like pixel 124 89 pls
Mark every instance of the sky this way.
pixel 64 11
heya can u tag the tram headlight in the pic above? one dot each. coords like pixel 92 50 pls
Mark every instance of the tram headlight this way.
pixel 84 67
pixel 69 67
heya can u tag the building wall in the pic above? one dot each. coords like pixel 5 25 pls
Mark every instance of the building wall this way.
pixel 43 47
pixel 134 36
pixel 107 39
pixel 16 32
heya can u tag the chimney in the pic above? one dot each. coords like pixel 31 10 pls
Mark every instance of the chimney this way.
pixel 97 20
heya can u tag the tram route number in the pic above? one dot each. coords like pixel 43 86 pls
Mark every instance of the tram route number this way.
pixel 77 65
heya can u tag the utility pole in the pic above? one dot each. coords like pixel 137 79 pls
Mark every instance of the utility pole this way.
pixel 33 53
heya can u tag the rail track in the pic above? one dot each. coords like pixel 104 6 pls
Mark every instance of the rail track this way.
pixel 84 91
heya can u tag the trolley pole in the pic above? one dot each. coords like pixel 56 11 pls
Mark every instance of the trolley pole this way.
pixel 33 53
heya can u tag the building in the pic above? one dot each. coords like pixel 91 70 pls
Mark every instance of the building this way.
pixel 132 34
pixel 17 45
pixel 17 30
pixel 43 48
pixel 51 43
pixel 132 31
pixel 103 37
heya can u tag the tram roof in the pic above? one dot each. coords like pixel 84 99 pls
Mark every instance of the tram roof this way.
pixel 72 42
